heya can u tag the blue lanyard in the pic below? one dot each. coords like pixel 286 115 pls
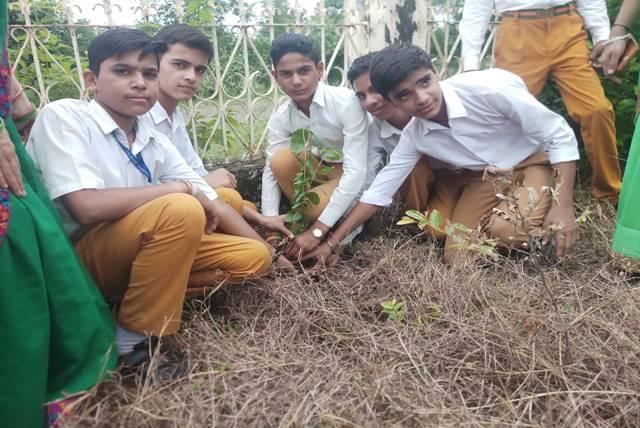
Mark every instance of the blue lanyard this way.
pixel 136 160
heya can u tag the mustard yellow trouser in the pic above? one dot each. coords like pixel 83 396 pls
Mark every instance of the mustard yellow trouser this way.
pixel 534 49
pixel 462 196
pixel 285 166
pixel 145 260
pixel 234 199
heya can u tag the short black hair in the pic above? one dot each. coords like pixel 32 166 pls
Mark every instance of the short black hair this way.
pixel 117 42
pixel 188 36
pixel 293 43
pixel 394 64
pixel 360 66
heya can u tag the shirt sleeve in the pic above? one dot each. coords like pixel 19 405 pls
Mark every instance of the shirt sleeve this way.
pixel 473 27
pixel 540 124
pixel 61 149
pixel 175 168
pixel 279 137
pixel 354 162
pixel 403 159
pixel 596 19
pixel 188 152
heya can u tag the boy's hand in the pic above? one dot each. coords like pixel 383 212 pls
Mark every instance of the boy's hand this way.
pixel 302 244
pixel 281 264
pixel 10 174
pixel 324 258
pixel 221 178
pixel 607 56
pixel 567 235
pixel 210 211
pixel 276 224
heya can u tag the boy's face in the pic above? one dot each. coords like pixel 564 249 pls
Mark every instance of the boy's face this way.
pixel 371 100
pixel 298 76
pixel 419 95
pixel 127 86
pixel 181 71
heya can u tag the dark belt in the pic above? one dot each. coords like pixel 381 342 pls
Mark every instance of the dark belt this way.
pixel 564 9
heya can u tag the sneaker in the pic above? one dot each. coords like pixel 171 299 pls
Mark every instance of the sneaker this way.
pixel 145 359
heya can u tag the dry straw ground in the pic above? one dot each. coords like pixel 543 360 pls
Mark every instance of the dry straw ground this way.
pixel 286 352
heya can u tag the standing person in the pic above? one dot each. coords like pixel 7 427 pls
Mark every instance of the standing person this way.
pixel 182 69
pixel 335 116
pixel 143 222
pixel 538 39
pixel 56 330
pixel 626 238
pixel 468 123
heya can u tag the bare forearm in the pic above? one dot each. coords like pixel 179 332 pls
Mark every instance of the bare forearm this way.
pixel 627 11
pixel 92 206
pixel 361 213
pixel 252 216
pixel 232 223
pixel 566 173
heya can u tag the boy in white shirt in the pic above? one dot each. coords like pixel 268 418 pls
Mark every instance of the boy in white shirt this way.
pixel 182 70
pixel 469 123
pixel 142 221
pixel 385 128
pixel 335 116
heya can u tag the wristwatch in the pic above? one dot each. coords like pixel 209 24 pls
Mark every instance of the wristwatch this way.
pixel 317 233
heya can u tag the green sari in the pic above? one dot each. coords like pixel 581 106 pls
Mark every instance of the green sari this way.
pixel 626 238
pixel 56 332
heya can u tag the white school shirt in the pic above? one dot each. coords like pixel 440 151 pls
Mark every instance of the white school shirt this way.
pixel 493 121
pixel 175 129
pixel 73 144
pixel 337 118
pixel 383 139
pixel 477 13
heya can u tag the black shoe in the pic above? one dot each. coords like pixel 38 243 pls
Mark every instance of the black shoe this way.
pixel 145 359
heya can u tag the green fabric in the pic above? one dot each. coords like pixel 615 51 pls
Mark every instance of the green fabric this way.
pixel 626 238
pixel 56 332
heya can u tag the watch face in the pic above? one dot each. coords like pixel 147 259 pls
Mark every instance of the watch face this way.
pixel 317 233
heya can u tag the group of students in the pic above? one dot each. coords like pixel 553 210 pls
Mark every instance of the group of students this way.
pixel 150 224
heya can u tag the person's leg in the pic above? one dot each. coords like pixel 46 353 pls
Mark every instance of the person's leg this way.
pixel 226 258
pixel 325 190
pixel 521 48
pixel 587 104
pixel 144 259
pixel 284 165
pixel 231 197
pixel 414 192
pixel 444 192
pixel 533 200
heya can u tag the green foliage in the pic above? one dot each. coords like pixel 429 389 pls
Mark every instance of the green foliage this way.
pixel 394 310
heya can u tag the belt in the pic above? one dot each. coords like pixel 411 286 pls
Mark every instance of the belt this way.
pixel 564 9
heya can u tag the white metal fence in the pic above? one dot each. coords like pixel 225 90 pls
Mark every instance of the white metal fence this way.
pixel 228 116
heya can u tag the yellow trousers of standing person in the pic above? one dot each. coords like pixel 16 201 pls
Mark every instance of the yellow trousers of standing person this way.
pixel 146 259
pixel 535 49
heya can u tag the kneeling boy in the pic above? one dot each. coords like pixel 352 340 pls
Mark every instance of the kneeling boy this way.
pixel 467 124
pixel 335 117
pixel 140 218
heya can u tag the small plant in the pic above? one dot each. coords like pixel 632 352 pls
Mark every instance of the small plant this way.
pixel 310 172
pixel 395 310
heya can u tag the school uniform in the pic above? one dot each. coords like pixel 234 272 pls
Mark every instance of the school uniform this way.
pixel 145 259
pixel 538 39
pixel 383 139
pixel 493 122
pixel 339 121
pixel 175 129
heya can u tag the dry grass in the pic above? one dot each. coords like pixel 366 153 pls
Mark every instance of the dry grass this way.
pixel 286 352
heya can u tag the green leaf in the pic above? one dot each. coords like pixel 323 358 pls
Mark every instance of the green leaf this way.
pixel 333 155
pixel 461 227
pixel 325 170
pixel 299 140
pixel 405 220
pixel 416 215
pixel 313 198
pixel 292 217
pixel 435 219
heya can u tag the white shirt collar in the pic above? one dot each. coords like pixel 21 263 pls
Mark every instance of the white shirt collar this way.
pixel 387 130
pixel 158 113
pixel 107 125
pixel 318 97
pixel 455 108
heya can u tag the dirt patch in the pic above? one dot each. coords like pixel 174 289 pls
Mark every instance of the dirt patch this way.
pixel 293 352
